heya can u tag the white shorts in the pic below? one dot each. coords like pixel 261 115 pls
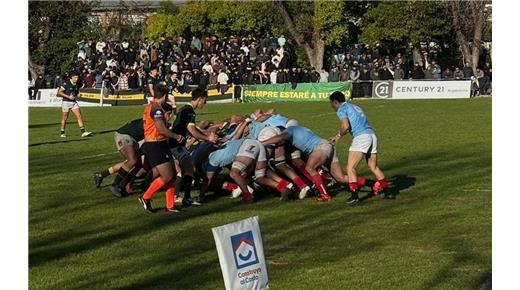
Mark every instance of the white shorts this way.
pixel 123 140
pixel 67 106
pixel 366 143
pixel 179 152
pixel 252 149
pixel 328 149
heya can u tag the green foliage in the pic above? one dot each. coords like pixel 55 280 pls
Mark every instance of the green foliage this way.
pixel 408 21
pixel 330 20
pixel 220 18
pixel 54 29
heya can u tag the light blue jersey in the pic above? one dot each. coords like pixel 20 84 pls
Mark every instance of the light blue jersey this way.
pixel 254 129
pixel 303 138
pixel 276 120
pixel 225 154
pixel 357 119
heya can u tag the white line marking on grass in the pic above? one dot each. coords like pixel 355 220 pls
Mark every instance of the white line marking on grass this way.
pixel 477 189
pixel 97 155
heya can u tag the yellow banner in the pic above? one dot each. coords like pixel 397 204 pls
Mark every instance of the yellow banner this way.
pixel 95 96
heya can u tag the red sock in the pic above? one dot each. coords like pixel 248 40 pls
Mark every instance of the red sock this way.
pixel 299 182
pixel 170 195
pixel 353 186
pixel 281 185
pixel 319 185
pixel 383 183
pixel 361 181
pixel 157 184
pixel 247 196
pixel 305 172
pixel 230 186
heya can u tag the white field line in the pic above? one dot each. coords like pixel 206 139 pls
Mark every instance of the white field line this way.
pixel 97 155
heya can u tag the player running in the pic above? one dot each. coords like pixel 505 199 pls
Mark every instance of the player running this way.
pixel 364 143
pixel 157 151
pixel 69 91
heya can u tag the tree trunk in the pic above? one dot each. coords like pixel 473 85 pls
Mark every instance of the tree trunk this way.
pixel 35 69
pixel 314 52
pixel 478 15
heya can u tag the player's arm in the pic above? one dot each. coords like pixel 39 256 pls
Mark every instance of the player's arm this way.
pixel 150 90
pixel 276 139
pixel 196 133
pixel 239 131
pixel 161 127
pixel 343 130
pixel 61 93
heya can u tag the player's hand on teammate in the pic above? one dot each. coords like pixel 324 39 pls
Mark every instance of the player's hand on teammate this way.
pixel 179 138
pixel 335 138
pixel 212 137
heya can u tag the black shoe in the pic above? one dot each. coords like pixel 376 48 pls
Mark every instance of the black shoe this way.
pixel 199 200
pixel 353 199
pixel 286 194
pixel 389 195
pixel 187 202
pixel 147 204
pixel 98 179
pixel 117 191
pixel 173 209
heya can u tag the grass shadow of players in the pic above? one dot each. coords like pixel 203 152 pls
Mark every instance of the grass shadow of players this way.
pixel 56 142
pixel 35 126
pixel 398 183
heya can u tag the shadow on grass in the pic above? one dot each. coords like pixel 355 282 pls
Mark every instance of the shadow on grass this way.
pixel 35 126
pixel 56 142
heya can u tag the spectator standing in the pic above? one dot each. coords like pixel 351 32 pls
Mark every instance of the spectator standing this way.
pixel 123 81
pixel 39 84
pixel 133 80
pixel 272 76
pixel 355 73
pixel 195 43
pixel 398 72
pixel 281 41
pixel 467 70
pixel 222 81
pixel 458 74
pixel 417 72
pixel 344 75
pixel 324 76
pixel 436 71
pixel 334 75
pixel 447 74
pixel 428 72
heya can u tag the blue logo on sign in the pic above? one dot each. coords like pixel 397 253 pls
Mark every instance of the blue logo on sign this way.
pixel 244 249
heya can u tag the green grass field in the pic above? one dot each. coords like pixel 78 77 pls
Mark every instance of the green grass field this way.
pixel 435 235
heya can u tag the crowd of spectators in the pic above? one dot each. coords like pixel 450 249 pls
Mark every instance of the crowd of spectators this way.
pixel 232 60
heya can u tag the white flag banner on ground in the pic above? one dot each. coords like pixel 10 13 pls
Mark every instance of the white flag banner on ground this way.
pixel 241 254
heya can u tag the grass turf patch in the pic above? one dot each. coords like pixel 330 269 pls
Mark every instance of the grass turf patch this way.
pixel 436 234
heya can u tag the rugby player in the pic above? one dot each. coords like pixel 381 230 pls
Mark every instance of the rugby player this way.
pixel 69 91
pixel 127 139
pixel 157 151
pixel 185 123
pixel 320 152
pixel 151 83
pixel 364 144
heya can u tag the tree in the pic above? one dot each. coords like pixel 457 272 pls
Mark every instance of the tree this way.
pixel 470 21
pixel 314 25
pixel 55 27
pixel 404 22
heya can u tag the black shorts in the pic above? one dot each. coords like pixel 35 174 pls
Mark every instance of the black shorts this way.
pixel 157 153
pixel 201 155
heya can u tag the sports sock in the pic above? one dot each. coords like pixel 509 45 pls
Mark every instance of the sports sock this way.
pixel 319 185
pixel 247 196
pixel 305 172
pixel 186 185
pixel 107 172
pixel 170 195
pixel 82 129
pixel 383 183
pixel 62 132
pixel 361 181
pixel 282 185
pixel 178 183
pixel 299 182
pixel 121 176
pixel 353 186
pixel 129 177
pixel 230 186
pixel 157 184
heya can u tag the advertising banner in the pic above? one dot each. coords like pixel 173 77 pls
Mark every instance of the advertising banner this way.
pixel 48 98
pixel 431 90
pixel 289 93
pixel 241 255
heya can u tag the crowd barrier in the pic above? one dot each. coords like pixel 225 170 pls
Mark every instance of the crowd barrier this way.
pixel 391 89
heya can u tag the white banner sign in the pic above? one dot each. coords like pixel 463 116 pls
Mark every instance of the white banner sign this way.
pixel 431 89
pixel 241 254
pixel 48 98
